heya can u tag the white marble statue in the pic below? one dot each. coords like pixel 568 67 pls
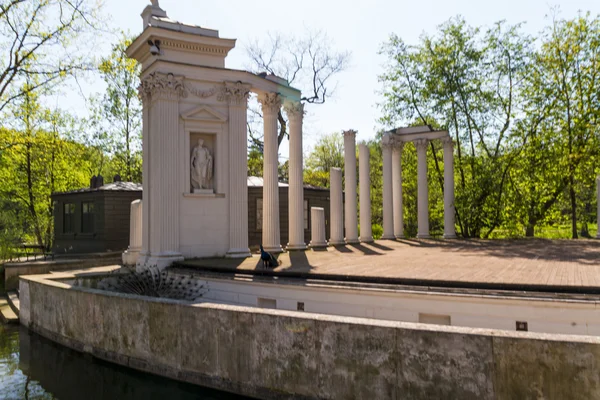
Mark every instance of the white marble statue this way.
pixel 201 166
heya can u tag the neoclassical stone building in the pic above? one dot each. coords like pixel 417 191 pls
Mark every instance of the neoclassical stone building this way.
pixel 191 99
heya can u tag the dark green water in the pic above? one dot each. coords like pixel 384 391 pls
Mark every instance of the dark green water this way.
pixel 33 367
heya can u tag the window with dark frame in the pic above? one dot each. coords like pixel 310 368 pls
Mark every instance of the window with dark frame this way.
pixel 69 218
pixel 87 217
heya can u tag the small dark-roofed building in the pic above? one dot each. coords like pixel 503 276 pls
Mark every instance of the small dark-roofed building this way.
pixel 313 197
pixel 94 219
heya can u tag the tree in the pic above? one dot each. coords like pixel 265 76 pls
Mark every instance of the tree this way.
pixel 36 161
pixel 308 63
pixel 327 153
pixel 468 80
pixel 43 41
pixel 560 130
pixel 117 119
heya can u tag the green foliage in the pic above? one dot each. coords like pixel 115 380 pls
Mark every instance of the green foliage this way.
pixel 116 122
pixel 255 162
pixel 377 231
pixel 327 153
pixel 36 160
pixel 48 40
pixel 524 120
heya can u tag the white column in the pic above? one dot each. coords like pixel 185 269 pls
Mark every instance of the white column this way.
pixel 449 228
pixel 598 200
pixel 422 189
pixel 364 180
pixel 387 143
pixel 130 255
pixel 295 113
pixel 236 94
pixel 163 186
pixel 317 222
pixel 336 202
pixel 144 252
pixel 351 218
pixel 271 236
pixel 397 189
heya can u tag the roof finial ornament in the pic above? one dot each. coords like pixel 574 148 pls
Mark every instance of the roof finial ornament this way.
pixel 154 3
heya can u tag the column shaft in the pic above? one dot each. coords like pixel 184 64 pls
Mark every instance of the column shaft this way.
pixel 364 179
pixel 449 227
pixel 295 113
pixel 131 255
pixel 388 213
pixel 351 217
pixel 164 188
pixel 271 235
pixel 317 220
pixel 238 185
pixel 145 178
pixel 336 204
pixel 397 190
pixel 422 189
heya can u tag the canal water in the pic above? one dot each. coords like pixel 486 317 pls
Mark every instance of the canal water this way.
pixel 33 367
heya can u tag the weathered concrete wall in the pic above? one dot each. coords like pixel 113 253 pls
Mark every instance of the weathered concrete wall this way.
pixel 275 354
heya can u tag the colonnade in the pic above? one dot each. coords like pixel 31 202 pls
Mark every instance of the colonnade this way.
pixel 271 103
pixel 393 219
pixel 392 147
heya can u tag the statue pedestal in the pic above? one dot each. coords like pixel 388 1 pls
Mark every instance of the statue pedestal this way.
pixel 204 191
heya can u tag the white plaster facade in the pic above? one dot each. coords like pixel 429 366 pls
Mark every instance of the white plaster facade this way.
pixel 187 93
pixel 549 315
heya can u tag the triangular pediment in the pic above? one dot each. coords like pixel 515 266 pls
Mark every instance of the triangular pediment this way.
pixel 204 113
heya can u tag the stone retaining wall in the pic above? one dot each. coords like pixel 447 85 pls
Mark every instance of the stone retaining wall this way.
pixel 276 354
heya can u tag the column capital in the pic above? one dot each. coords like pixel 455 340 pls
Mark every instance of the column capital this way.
pixel 234 93
pixel 159 84
pixel 447 141
pixel 294 109
pixel 421 144
pixel 270 102
pixel 398 145
pixel 350 133
pixel 388 141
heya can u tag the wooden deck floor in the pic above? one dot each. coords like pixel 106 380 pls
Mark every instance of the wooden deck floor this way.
pixel 529 262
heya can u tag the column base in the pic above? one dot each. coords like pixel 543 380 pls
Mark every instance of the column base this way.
pixel 238 253
pixel 423 236
pixel 317 245
pixel 337 242
pixel 160 261
pixel 367 239
pixel 400 236
pixel 352 241
pixel 130 256
pixel 300 246
pixel 388 237
pixel 274 249
pixel 450 236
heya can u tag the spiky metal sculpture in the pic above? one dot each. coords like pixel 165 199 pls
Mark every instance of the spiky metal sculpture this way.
pixel 155 283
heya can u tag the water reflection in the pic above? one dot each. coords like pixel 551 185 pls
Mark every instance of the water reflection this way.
pixel 32 367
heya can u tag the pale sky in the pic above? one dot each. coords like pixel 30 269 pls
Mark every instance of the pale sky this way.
pixel 360 27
